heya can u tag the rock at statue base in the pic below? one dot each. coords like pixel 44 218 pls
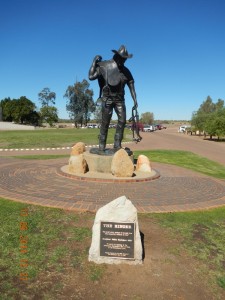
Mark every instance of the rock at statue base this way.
pixel 119 213
pixel 122 166
pixel 143 164
pixel 77 164
pixel 78 149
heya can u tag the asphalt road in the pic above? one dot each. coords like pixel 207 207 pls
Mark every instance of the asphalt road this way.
pixel 172 140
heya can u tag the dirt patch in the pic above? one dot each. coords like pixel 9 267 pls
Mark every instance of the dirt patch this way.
pixel 198 232
pixel 167 273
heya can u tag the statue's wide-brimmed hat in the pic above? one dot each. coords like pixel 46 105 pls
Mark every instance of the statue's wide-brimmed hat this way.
pixel 123 52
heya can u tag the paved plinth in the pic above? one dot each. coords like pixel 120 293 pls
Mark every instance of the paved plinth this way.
pixel 40 182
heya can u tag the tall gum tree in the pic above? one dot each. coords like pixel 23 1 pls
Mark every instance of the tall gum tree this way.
pixel 80 102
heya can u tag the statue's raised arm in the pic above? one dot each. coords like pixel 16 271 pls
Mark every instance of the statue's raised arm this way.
pixel 93 72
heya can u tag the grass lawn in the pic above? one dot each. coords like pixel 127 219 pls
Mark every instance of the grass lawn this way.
pixel 51 241
pixel 187 160
pixel 55 243
pixel 203 235
pixel 51 138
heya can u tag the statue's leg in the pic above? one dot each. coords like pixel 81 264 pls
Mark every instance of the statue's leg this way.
pixel 106 117
pixel 120 110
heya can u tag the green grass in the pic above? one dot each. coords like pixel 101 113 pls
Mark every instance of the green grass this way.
pixel 40 157
pixel 187 160
pixel 51 138
pixel 203 235
pixel 58 240
pixel 54 240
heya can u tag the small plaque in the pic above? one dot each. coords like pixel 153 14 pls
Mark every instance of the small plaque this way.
pixel 117 240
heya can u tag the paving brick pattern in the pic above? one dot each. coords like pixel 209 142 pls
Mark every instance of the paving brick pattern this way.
pixel 42 183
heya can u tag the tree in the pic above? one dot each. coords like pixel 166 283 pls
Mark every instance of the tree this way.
pixel 48 112
pixel 198 120
pixel 147 118
pixel 220 104
pixel 3 104
pixel 220 123
pixel 215 124
pixel 23 108
pixel 34 118
pixel 18 110
pixel 207 106
pixel 49 115
pixel 209 117
pixel 46 97
pixel 80 103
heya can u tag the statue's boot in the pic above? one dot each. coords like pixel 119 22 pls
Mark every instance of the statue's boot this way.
pixel 102 142
pixel 117 141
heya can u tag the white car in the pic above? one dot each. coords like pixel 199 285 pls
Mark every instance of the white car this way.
pixel 182 128
pixel 92 126
pixel 148 128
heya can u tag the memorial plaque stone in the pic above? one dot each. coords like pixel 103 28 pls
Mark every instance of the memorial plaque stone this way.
pixel 115 234
pixel 117 240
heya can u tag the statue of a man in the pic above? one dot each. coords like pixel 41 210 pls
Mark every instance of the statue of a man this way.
pixel 112 77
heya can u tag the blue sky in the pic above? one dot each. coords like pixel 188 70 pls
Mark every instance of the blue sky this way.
pixel 178 49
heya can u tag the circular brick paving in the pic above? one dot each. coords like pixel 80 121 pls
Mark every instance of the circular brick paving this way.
pixel 39 182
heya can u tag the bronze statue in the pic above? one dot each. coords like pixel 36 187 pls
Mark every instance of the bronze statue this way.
pixel 112 77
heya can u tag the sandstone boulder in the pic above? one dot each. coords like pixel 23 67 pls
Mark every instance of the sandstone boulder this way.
pixel 122 166
pixel 77 164
pixel 78 149
pixel 143 164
